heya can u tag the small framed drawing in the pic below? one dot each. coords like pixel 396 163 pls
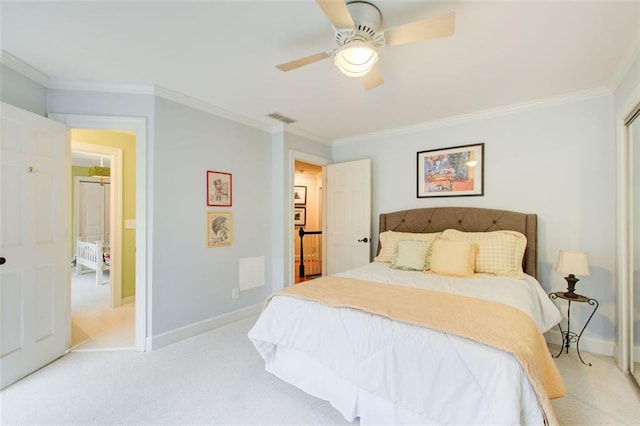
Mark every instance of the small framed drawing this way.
pixel 218 189
pixel 299 216
pixel 300 195
pixel 219 229
pixel 451 172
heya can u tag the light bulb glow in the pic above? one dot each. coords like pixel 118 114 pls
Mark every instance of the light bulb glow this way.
pixel 356 58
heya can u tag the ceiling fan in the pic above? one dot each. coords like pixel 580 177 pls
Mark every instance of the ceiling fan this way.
pixel 359 39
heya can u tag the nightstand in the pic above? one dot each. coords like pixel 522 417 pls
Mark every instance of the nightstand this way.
pixel 569 336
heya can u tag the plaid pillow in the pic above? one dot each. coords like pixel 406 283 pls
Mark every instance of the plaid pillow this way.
pixel 499 252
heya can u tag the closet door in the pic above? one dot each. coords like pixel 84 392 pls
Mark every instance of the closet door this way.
pixel 91 217
pixel 633 126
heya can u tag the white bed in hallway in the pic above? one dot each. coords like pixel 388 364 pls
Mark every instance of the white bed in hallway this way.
pixel 380 369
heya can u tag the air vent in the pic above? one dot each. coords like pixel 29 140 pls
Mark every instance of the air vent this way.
pixel 281 117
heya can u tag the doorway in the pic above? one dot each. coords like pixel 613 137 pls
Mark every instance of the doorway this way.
pixel 102 286
pixel 137 126
pixel 307 221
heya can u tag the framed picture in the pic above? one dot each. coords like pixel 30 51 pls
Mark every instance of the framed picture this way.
pixel 219 229
pixel 300 195
pixel 218 189
pixel 451 172
pixel 299 216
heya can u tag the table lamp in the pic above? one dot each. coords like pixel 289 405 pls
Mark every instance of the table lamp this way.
pixel 572 263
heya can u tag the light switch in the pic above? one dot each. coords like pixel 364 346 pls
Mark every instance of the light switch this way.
pixel 129 224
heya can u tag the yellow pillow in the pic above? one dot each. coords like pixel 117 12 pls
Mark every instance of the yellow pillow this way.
pixel 455 258
pixel 499 252
pixel 411 255
pixel 388 240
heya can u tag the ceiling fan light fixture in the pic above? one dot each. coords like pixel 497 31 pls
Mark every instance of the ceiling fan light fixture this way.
pixel 356 58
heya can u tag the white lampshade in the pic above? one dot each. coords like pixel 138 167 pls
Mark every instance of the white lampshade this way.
pixel 572 262
pixel 355 59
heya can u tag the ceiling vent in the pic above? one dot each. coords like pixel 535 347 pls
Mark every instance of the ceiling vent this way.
pixel 281 117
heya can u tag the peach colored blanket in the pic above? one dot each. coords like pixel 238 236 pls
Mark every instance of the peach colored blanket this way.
pixel 490 323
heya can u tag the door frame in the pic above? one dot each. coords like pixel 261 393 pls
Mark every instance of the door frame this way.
pixel 115 212
pixel 289 228
pixel 143 308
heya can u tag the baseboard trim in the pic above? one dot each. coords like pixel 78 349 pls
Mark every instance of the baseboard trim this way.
pixel 200 327
pixel 128 300
pixel 587 344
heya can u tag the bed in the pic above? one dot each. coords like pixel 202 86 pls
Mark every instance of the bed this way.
pixel 422 348
pixel 93 256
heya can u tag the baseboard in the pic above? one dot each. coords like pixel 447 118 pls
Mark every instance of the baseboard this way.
pixel 128 300
pixel 587 344
pixel 200 327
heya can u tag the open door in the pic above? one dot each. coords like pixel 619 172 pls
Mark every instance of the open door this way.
pixel 348 217
pixel 34 225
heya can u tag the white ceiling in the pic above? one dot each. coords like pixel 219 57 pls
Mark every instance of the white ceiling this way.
pixel 224 53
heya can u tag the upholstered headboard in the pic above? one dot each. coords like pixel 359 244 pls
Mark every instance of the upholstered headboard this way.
pixel 469 219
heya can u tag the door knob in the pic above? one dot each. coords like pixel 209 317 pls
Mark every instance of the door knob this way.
pixel 364 240
pixel 3 260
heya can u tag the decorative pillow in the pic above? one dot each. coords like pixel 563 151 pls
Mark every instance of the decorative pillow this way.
pixel 499 252
pixel 455 258
pixel 411 255
pixel 388 240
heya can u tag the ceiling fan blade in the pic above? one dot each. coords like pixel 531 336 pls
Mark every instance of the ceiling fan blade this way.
pixel 372 79
pixel 440 26
pixel 288 66
pixel 337 12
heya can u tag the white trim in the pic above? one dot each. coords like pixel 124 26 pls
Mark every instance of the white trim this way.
pixel 212 109
pixel 115 212
pixel 128 300
pixel 630 56
pixel 489 113
pixel 587 344
pixel 89 86
pixel 289 228
pixel 23 68
pixel 191 330
pixel 144 221
pixel 290 128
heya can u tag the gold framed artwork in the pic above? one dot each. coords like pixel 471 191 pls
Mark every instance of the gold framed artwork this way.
pixel 219 229
pixel 451 172
pixel 219 189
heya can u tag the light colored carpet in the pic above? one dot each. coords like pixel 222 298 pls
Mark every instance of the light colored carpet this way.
pixel 219 378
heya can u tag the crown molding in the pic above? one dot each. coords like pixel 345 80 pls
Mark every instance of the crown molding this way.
pixel 23 68
pixel 91 86
pixel 304 134
pixel 212 109
pixel 494 112
pixel 632 53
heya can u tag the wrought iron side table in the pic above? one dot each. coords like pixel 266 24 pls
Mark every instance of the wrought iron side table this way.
pixel 569 336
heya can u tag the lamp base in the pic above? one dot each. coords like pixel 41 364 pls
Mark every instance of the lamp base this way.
pixel 571 286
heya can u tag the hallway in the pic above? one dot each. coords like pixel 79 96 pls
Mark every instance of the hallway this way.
pixel 94 324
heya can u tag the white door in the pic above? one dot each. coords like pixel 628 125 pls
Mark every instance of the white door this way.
pixel 35 183
pixel 348 215
pixel 93 214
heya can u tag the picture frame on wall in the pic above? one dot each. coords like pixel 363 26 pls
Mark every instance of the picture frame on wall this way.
pixel 299 216
pixel 219 189
pixel 451 172
pixel 300 195
pixel 219 229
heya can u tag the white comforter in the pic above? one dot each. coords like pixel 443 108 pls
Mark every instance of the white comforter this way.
pixel 385 371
